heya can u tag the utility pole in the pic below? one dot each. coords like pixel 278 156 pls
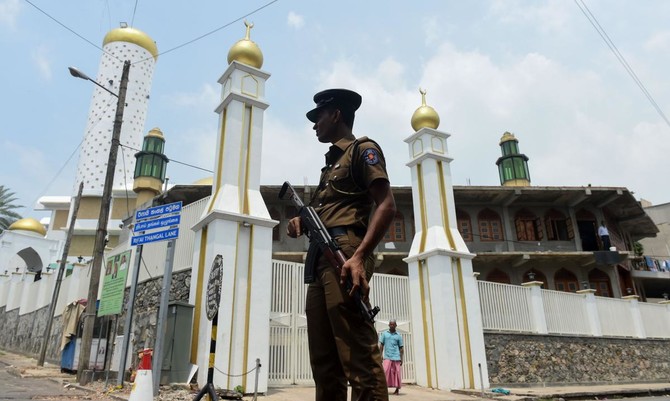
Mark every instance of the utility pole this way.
pixel 101 232
pixel 59 278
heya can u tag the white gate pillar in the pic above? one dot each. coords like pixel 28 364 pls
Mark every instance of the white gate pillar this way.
pixel 446 315
pixel 236 225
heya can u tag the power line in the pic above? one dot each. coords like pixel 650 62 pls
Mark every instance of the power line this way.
pixel 71 30
pixel 74 151
pixel 213 31
pixel 134 11
pixel 601 31
pixel 133 19
pixel 172 160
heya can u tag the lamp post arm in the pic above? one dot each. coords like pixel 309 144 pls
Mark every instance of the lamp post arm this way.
pixel 78 74
pixel 101 232
pixel 96 82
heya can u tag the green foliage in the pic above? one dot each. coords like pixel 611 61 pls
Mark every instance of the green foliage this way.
pixel 239 389
pixel 7 208
pixel 638 248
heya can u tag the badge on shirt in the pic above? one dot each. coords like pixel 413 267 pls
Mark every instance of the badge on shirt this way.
pixel 371 156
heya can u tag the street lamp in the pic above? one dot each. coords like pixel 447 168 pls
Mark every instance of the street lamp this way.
pixel 78 74
pixel 101 231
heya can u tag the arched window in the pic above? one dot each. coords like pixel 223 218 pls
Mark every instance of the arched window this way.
pixel 490 226
pixel 528 226
pixel 535 275
pixel 464 225
pixel 566 281
pixel 600 281
pixel 396 231
pixel 559 228
pixel 274 215
pixel 498 276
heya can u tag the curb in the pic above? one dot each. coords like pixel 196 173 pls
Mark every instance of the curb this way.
pixel 531 395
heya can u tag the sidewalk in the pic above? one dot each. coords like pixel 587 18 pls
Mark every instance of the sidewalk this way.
pixel 23 366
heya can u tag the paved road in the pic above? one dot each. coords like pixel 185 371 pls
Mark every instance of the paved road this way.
pixel 655 398
pixel 14 388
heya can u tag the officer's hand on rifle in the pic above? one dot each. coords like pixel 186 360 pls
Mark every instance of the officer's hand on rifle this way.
pixel 355 267
pixel 294 227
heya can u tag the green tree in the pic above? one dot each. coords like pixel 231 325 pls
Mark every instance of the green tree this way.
pixel 7 207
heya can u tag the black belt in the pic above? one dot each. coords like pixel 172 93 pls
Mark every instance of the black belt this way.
pixel 344 230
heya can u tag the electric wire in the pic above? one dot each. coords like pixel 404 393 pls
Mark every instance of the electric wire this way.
pixel 212 31
pixel 160 54
pixel 71 30
pixel 601 31
pixel 172 160
pixel 132 21
pixel 73 153
pixel 125 180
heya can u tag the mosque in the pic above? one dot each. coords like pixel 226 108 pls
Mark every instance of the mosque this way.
pixel 444 242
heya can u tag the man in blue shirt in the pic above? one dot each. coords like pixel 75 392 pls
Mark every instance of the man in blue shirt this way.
pixel 391 347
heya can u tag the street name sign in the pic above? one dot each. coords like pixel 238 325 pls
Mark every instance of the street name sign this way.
pixel 158 223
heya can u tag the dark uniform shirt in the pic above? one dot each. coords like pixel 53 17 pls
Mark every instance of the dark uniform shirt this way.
pixel 342 199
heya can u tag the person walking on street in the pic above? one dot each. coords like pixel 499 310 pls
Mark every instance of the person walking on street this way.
pixel 392 349
pixel 342 342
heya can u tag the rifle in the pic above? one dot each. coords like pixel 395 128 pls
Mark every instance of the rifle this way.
pixel 318 233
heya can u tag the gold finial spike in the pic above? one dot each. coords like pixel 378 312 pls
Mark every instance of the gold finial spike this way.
pixel 423 96
pixel 249 26
pixel 425 116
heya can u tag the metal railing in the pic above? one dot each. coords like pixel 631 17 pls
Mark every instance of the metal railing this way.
pixel 505 307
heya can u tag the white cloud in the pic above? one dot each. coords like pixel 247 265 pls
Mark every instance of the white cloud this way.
pixel 9 12
pixel 38 174
pixel 659 42
pixel 432 28
pixel 294 20
pixel 40 56
pixel 207 97
pixel 566 120
pixel 546 16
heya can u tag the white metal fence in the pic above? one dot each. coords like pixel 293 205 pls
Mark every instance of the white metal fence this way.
pixel 505 307
pixel 565 312
pixel 615 317
pixel 655 320
pixel 289 353
pixel 533 310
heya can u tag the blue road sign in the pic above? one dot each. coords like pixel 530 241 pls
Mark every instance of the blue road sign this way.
pixel 158 211
pixel 162 222
pixel 155 236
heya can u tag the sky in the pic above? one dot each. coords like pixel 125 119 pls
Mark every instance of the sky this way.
pixel 537 69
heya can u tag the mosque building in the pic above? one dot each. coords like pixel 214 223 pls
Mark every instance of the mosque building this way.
pixel 443 239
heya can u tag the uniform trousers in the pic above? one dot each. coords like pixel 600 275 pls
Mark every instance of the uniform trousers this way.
pixel 342 344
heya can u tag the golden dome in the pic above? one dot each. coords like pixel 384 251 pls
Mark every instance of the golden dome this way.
pixel 157 133
pixel 28 224
pixel 425 116
pixel 507 136
pixel 246 51
pixel 132 35
pixel 205 181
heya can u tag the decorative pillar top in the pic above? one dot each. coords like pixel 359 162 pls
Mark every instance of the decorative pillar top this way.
pixel 246 51
pixel 425 116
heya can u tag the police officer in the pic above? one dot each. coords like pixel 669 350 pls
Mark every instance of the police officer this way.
pixel 342 344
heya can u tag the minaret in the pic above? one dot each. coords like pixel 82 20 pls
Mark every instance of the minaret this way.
pixel 448 339
pixel 118 45
pixel 150 167
pixel 236 225
pixel 512 165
